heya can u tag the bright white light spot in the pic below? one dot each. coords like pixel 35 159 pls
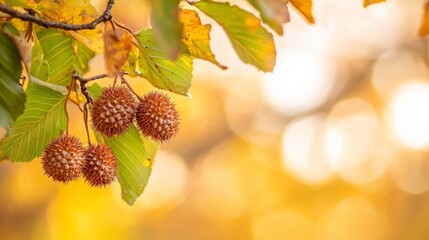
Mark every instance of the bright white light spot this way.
pixel 353 137
pixel 409 114
pixel 300 82
pixel 303 150
pixel 358 31
pixel 334 147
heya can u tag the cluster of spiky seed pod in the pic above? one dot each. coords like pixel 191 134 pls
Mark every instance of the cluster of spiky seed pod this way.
pixel 115 110
pixel 65 158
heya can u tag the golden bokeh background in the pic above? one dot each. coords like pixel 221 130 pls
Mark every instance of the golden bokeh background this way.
pixel 332 145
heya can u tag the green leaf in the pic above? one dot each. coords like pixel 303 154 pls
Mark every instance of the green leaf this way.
pixel 42 120
pixel 12 97
pixel 11 30
pixel 151 147
pixel 55 56
pixel 134 163
pixel 252 42
pixel 95 90
pixel 166 26
pixel 152 64
pixel 19 3
pixel 135 157
pixel 273 12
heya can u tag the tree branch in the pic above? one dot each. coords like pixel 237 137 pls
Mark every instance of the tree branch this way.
pixel 81 79
pixel 106 16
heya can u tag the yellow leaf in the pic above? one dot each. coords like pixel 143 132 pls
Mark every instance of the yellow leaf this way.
pixel 16 22
pixel 304 7
pixel 366 3
pixel 197 37
pixel 71 12
pixel 19 24
pixel 76 12
pixel 117 46
pixel 89 38
pixel 424 26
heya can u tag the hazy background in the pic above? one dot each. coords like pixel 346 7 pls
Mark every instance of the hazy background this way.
pixel 333 145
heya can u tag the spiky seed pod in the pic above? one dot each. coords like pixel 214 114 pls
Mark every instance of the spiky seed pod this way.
pixel 62 159
pixel 113 111
pixel 157 117
pixel 100 165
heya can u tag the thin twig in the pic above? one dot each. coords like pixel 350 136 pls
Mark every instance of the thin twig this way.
pixel 29 34
pixel 128 30
pixel 78 102
pixel 130 88
pixel 82 79
pixel 112 24
pixel 123 27
pixel 77 105
pixel 85 119
pixel 106 16
pixel 65 105
pixel 85 92
pixel 6 18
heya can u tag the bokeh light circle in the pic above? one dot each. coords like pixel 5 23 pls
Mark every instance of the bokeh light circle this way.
pixel 408 114
pixel 303 150
pixel 353 137
pixel 301 81
pixel 394 68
